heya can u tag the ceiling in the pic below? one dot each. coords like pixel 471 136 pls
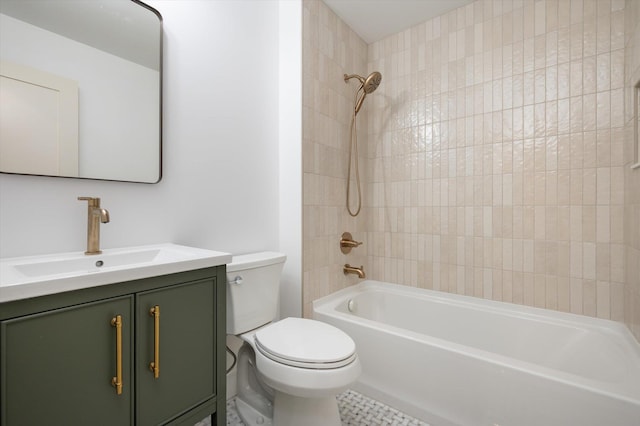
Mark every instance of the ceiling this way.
pixel 374 20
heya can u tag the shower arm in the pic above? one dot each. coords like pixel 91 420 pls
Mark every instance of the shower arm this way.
pixel 359 99
pixel 348 77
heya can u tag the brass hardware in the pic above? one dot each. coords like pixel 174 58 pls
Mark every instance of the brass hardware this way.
pixel 95 216
pixel 117 380
pixel 155 364
pixel 348 269
pixel 347 243
pixel 367 85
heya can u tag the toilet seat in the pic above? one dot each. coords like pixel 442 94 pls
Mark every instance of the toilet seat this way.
pixel 306 343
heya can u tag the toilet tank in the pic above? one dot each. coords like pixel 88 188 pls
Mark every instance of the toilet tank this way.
pixel 253 290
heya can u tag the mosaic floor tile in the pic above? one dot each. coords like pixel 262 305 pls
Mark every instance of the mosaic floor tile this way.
pixel 359 410
pixel 355 410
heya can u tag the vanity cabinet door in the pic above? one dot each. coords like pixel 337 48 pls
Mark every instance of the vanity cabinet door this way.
pixel 56 367
pixel 185 354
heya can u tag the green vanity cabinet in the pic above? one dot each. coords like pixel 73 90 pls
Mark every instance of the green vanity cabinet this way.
pixel 186 375
pixel 57 366
pixel 59 354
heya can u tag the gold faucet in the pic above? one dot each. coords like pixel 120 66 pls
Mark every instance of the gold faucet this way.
pixel 95 216
pixel 348 269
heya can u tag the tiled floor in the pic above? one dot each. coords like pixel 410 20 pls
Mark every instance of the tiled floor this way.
pixel 355 410
pixel 359 410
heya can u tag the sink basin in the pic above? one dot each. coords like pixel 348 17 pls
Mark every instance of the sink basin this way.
pixel 25 277
pixel 86 264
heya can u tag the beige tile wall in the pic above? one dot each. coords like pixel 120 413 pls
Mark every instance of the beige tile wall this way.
pixel 330 50
pixel 632 177
pixel 494 155
pixel 496 167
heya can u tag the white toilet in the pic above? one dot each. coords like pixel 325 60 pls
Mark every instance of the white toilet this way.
pixel 289 371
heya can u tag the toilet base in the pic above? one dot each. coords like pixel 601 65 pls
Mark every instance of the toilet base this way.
pixel 250 416
pixel 254 401
pixel 290 410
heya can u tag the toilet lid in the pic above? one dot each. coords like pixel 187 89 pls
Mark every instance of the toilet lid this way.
pixel 306 343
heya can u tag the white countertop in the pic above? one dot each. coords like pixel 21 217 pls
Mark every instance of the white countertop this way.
pixel 33 276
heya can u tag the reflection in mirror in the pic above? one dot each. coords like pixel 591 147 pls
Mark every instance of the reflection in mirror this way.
pixel 80 89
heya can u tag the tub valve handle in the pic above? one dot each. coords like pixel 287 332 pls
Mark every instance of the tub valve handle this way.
pixel 347 243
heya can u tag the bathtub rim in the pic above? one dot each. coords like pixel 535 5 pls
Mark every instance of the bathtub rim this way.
pixel 328 305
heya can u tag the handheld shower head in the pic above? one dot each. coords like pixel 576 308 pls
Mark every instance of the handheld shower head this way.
pixel 372 82
pixel 360 101
pixel 367 85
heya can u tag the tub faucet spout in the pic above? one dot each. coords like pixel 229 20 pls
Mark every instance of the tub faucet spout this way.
pixel 95 216
pixel 348 269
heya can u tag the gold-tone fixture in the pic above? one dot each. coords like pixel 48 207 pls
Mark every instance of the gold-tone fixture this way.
pixel 155 364
pixel 348 269
pixel 95 216
pixel 347 243
pixel 367 85
pixel 117 380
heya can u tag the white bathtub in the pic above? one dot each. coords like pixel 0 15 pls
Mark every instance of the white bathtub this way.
pixel 449 359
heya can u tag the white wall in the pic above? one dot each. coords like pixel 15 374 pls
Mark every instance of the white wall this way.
pixel 290 131
pixel 220 184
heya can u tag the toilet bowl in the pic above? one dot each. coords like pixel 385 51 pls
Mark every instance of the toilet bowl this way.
pixel 289 371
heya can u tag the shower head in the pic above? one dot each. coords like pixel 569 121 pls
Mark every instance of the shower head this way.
pixel 372 82
pixel 367 85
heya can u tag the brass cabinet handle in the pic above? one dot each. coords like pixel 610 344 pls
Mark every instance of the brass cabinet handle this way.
pixel 155 364
pixel 117 380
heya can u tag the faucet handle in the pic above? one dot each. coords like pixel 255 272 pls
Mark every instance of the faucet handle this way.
pixel 93 201
pixel 347 243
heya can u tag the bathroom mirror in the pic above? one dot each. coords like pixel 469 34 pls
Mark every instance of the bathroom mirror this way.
pixel 81 85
